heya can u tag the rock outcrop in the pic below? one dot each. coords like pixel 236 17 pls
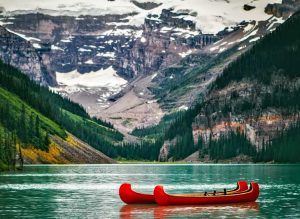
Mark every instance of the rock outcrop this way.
pixel 18 52
pixel 284 10
pixel 165 40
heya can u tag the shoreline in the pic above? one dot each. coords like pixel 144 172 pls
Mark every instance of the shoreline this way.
pixel 2 169
pixel 146 164
pixel 155 163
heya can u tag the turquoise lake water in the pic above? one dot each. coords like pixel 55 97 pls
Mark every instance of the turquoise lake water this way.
pixel 91 191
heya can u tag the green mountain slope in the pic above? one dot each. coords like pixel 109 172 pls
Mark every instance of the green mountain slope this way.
pixel 29 114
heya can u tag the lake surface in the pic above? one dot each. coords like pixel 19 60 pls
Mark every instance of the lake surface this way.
pixel 91 191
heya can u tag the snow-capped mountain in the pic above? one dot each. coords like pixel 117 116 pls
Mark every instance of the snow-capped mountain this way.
pixel 91 50
pixel 210 16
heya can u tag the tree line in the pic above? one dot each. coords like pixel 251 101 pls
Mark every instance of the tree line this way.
pixel 143 150
pixel 8 141
pixel 283 148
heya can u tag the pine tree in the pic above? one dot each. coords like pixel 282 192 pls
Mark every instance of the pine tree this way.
pixel 37 126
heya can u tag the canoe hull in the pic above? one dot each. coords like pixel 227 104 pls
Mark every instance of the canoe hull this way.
pixel 162 198
pixel 241 186
pixel 129 196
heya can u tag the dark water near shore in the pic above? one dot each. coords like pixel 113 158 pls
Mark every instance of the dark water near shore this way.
pixel 91 191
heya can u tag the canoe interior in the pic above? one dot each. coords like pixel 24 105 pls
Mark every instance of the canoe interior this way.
pixel 220 194
pixel 210 193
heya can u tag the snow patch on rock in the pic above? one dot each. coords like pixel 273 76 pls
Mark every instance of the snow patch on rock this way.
pixel 184 54
pixel 143 40
pixel 53 47
pixel 183 107
pixel 23 36
pixel 254 39
pixel 106 54
pixel 90 62
pixel 84 50
pixel 36 45
pixel 242 47
pixel 101 78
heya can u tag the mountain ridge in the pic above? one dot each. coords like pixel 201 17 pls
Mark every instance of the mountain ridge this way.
pixel 89 43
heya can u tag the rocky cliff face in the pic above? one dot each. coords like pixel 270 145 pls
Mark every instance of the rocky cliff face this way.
pixel 165 39
pixel 90 43
pixel 20 53
pixel 285 9
pixel 87 44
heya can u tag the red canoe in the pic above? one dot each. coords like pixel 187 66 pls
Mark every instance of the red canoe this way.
pixel 162 198
pixel 129 196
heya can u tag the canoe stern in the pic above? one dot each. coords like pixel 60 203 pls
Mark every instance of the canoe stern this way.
pixel 129 196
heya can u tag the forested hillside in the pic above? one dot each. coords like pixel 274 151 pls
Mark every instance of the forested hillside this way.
pixel 251 109
pixel 30 113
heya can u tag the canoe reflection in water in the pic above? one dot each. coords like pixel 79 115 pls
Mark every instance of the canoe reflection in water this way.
pixel 154 211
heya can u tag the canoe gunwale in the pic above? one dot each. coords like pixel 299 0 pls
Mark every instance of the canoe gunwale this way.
pixel 220 194
pixel 238 188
